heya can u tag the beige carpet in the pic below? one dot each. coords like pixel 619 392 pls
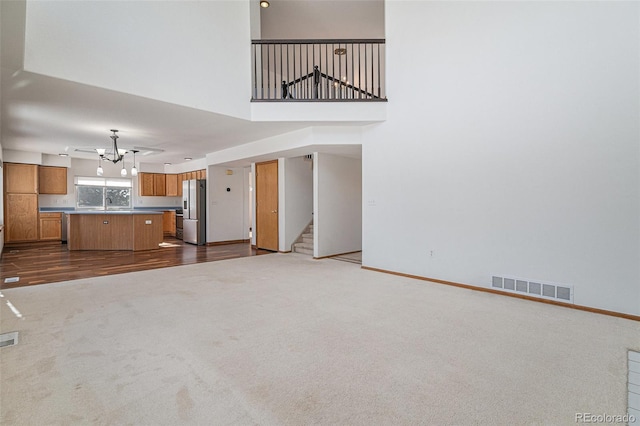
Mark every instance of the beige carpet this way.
pixel 285 339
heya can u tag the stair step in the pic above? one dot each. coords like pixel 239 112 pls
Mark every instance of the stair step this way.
pixel 308 246
pixel 308 240
pixel 307 235
pixel 303 250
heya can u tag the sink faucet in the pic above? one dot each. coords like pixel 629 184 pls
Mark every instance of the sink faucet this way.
pixel 109 200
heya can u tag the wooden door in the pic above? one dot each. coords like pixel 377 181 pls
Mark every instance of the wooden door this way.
pixel 267 205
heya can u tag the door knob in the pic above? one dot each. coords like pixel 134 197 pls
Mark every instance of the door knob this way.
pixel 274 211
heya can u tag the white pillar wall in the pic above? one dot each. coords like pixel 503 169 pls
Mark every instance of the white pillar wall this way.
pixel 227 204
pixel 337 195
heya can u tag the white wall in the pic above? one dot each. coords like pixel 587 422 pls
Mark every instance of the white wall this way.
pixel 297 208
pixel 227 216
pixel 517 152
pixel 323 19
pixel 187 166
pixel 337 192
pixel 167 50
pixel 12 156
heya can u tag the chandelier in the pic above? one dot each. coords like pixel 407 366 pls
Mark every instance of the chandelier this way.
pixel 115 155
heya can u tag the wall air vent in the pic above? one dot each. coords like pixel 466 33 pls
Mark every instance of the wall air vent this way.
pixel 535 288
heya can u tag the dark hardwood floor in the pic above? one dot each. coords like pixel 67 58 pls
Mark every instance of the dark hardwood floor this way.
pixel 48 262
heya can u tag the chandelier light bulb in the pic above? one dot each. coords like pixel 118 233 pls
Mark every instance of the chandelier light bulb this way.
pixel 134 171
pixel 123 172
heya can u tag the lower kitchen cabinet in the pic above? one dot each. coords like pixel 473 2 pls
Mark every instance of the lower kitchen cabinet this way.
pixel 169 222
pixel 50 226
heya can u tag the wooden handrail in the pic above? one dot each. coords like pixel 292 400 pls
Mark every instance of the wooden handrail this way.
pixel 285 85
pixel 322 41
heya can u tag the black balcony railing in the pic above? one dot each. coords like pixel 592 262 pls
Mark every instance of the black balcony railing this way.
pixel 318 70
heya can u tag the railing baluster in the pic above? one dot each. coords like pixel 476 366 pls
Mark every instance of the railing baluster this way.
pixel 359 69
pixel 268 72
pixel 353 81
pixel 302 75
pixel 378 70
pixel 307 91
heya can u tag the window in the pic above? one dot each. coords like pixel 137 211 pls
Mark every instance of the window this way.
pixel 97 193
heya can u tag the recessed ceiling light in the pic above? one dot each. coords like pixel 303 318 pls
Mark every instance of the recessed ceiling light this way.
pixel 63 155
pixel 188 158
pixel 264 4
pixel 167 164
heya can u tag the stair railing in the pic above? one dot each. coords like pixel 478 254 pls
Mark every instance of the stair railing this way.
pixel 318 70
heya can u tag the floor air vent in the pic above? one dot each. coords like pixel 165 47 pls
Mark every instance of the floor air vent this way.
pixel 9 339
pixel 544 290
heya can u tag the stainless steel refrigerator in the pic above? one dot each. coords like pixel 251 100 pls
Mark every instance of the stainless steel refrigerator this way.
pixel 194 211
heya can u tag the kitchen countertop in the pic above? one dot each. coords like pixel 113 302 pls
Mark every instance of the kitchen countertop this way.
pixel 114 212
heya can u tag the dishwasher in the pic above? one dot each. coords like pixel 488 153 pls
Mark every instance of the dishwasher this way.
pixel 63 226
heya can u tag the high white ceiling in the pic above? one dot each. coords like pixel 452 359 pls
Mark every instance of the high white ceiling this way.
pixel 43 114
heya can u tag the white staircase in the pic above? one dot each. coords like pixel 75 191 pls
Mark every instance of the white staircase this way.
pixel 304 243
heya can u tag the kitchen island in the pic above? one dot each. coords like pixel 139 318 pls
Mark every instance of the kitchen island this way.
pixel 114 230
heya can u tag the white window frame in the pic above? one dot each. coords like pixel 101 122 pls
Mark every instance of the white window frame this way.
pixel 105 183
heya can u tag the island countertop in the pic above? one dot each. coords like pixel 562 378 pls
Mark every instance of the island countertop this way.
pixel 113 212
pixel 114 230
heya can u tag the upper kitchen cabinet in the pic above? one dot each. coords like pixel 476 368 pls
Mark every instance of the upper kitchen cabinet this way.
pixel 20 178
pixel 146 184
pixel 171 186
pixel 52 180
pixel 159 184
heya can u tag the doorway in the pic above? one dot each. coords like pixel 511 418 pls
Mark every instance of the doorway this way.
pixel 267 205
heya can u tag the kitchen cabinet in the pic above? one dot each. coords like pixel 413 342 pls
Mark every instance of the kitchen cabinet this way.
pixel 21 217
pixel 114 230
pixel 52 180
pixel 146 184
pixel 169 222
pixel 50 226
pixel 20 178
pixel 159 184
pixel 171 185
pixel 180 180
